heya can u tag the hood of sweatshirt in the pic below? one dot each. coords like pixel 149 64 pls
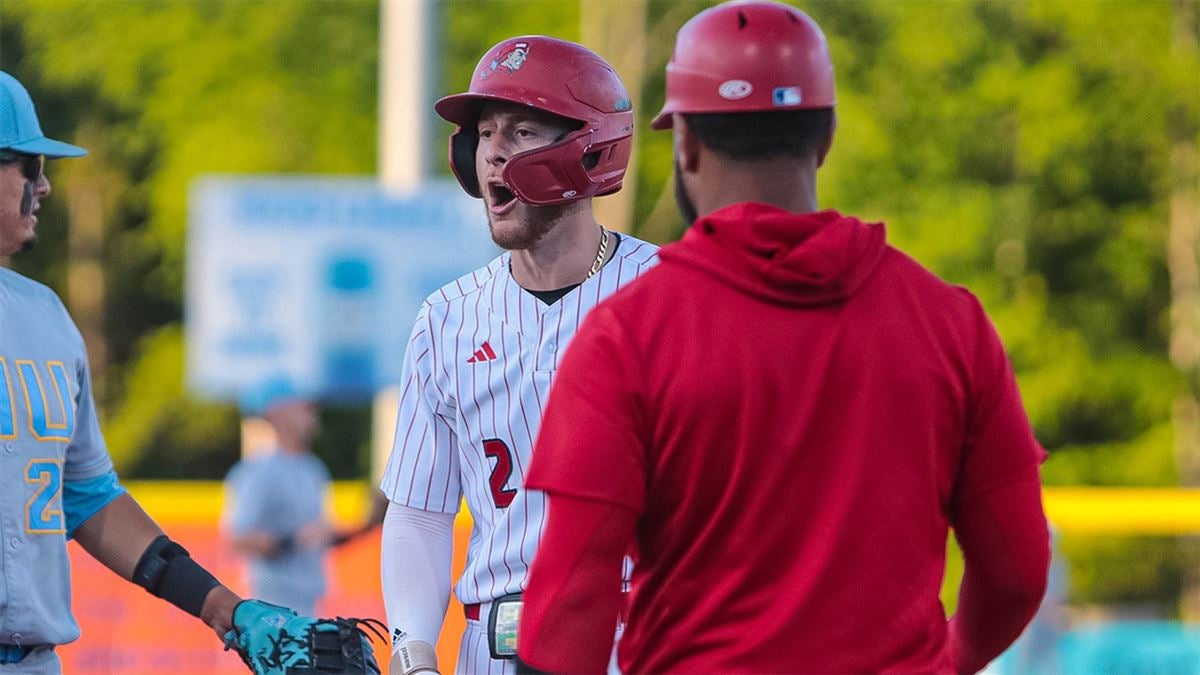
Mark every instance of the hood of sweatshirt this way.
pixel 794 259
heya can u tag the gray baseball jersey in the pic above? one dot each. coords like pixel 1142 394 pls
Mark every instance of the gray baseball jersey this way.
pixel 279 493
pixel 48 435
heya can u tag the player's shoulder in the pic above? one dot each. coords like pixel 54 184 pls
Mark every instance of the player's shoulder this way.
pixel 237 472
pixel 637 251
pixel 315 465
pixel 468 284
pixel 33 299
pixel 17 288
pixel 953 308
pixel 264 465
pixel 912 273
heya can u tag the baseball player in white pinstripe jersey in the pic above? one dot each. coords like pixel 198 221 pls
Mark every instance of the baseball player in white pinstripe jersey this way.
pixel 545 126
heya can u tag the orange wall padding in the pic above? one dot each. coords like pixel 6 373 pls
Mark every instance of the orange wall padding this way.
pixel 128 631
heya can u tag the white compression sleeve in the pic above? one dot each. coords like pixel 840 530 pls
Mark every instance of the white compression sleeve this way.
pixel 415 564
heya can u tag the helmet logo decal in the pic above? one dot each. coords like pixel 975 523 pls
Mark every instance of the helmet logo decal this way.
pixel 510 61
pixel 782 96
pixel 734 90
pixel 569 193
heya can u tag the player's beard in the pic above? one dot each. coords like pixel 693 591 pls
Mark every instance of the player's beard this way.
pixel 25 210
pixel 686 208
pixel 538 221
pixel 24 246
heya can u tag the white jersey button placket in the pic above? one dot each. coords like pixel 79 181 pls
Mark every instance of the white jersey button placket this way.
pixel 548 349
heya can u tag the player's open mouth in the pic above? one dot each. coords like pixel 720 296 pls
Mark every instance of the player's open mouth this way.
pixel 502 199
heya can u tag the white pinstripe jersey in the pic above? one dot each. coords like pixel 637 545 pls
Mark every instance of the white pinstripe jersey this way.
pixel 477 373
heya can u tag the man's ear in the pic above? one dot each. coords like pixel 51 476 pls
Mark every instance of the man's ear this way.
pixel 687 146
pixel 828 142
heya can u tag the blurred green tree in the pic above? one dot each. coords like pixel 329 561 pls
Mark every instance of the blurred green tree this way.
pixel 161 92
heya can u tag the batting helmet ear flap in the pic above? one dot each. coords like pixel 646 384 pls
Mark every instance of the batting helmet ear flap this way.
pixel 462 161
pixel 553 174
pixel 572 168
pixel 611 160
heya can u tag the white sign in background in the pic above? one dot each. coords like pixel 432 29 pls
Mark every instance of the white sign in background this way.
pixel 317 280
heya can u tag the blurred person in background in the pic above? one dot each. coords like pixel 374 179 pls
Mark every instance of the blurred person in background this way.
pixel 276 501
pixel 544 126
pixel 784 418
pixel 59 482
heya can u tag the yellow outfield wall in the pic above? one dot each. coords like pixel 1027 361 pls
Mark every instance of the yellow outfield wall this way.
pixel 1165 511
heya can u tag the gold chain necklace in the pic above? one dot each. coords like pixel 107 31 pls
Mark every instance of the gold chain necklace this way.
pixel 600 254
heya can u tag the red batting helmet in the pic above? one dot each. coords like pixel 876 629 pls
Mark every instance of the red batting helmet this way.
pixel 747 57
pixel 562 78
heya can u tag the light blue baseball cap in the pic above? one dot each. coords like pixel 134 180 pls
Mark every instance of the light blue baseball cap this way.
pixel 19 126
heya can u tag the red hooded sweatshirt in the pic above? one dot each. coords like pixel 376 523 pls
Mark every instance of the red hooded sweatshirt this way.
pixel 787 415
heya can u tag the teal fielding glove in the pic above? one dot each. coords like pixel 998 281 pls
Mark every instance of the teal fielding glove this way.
pixel 274 640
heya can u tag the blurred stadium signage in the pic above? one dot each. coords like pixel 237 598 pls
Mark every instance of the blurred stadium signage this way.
pixel 317 279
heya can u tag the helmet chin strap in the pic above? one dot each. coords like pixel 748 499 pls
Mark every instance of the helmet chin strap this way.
pixel 27 200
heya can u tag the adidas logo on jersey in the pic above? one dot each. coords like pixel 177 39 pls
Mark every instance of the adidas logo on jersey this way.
pixel 484 353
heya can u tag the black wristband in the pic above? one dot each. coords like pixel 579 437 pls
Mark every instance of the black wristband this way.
pixel 166 571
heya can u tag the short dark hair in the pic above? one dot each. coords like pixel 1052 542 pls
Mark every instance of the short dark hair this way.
pixel 772 134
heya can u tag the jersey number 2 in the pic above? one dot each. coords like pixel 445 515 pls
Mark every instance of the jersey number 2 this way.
pixel 42 516
pixel 494 447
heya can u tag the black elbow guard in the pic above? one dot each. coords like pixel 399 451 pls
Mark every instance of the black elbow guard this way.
pixel 167 571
